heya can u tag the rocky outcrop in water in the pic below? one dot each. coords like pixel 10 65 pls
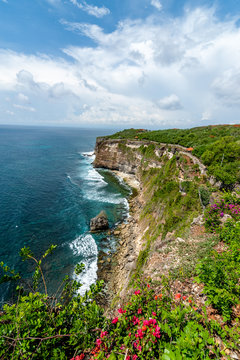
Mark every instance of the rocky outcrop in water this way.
pixel 99 223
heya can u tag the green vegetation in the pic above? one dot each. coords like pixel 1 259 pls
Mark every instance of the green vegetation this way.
pixel 154 322
pixel 165 325
pixel 218 147
pixel 41 327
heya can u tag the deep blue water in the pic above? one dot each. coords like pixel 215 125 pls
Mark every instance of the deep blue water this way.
pixel 49 191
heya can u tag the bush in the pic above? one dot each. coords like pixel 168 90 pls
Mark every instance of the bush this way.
pixel 41 327
pixel 204 195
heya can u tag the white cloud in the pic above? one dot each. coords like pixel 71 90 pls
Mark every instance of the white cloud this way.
pixel 226 87
pixel 54 2
pixel 174 72
pixel 5 1
pixel 11 113
pixel 156 4
pixel 23 107
pixel 171 102
pixel 96 11
pixel 23 98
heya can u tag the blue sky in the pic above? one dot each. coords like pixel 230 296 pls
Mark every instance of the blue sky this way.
pixel 147 63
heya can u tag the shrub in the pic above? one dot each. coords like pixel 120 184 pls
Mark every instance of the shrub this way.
pixel 204 195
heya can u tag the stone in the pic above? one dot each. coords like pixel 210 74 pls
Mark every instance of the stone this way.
pixel 180 240
pixel 198 220
pixel 131 259
pixel 99 223
pixel 225 218
pixel 117 232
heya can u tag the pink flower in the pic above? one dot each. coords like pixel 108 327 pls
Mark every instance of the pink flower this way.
pixel 103 334
pixel 139 334
pixel 128 357
pixel 129 334
pixel 137 292
pixel 139 348
pixel 121 311
pixel 135 357
pixel 79 357
pixel 115 320
pixel 153 313
pixel 98 342
pixel 139 311
pixel 135 320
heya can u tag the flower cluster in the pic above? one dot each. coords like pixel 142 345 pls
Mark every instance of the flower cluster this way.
pixel 78 357
pixel 215 212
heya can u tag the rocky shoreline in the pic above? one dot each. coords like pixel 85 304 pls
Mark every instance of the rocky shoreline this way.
pixel 117 268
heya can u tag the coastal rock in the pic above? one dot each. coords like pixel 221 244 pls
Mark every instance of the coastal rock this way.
pixel 100 222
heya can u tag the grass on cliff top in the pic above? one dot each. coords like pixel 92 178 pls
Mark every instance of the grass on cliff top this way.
pixel 218 147
pixel 186 137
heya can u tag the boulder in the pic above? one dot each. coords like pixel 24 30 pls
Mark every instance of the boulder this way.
pixel 99 223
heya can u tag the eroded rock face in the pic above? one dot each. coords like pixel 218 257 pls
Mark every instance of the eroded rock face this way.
pixel 99 223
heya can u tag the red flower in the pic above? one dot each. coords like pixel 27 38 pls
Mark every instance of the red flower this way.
pixel 190 301
pixel 148 285
pixel 121 311
pixel 137 292
pixel 184 297
pixel 178 296
pixel 115 320
pixel 79 357
pixel 103 334
pixel 98 342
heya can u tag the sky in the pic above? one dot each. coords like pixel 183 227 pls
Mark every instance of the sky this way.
pixel 119 64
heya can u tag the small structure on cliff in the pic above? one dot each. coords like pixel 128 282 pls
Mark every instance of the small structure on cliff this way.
pixel 99 223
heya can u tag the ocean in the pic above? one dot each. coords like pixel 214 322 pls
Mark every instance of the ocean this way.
pixel 49 191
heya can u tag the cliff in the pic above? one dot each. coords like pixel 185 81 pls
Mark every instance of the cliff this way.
pixel 121 155
pixel 165 214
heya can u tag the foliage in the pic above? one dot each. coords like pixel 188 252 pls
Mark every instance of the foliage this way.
pixel 41 327
pixel 162 326
pixel 204 195
pixel 215 212
pixel 220 272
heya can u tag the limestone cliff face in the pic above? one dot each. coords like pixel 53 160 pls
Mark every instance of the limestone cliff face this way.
pixel 133 159
pixel 124 156
pixel 111 154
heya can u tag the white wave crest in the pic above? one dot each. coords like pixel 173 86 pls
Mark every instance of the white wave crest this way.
pixel 86 246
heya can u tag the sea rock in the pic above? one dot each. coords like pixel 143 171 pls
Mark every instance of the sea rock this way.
pixel 100 222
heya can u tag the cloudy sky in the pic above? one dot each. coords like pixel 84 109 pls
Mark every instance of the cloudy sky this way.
pixel 112 63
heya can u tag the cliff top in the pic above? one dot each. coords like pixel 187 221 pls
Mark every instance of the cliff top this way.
pixel 217 146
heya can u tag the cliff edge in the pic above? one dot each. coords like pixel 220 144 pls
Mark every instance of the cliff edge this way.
pixel 165 224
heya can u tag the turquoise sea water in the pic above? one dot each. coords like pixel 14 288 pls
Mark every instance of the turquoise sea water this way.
pixel 49 191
